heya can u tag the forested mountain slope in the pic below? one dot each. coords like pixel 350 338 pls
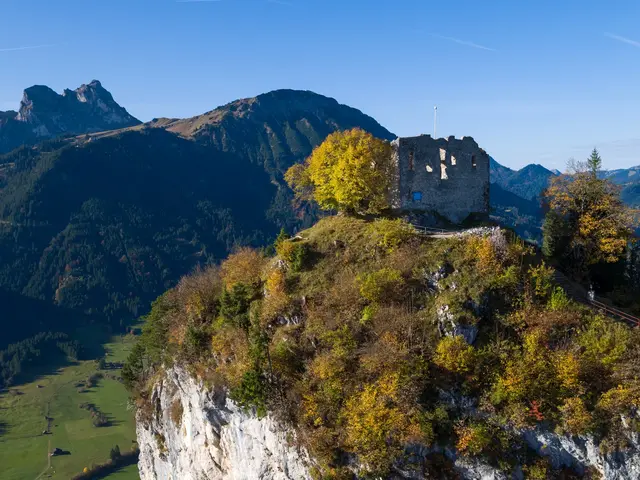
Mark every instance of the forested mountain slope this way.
pixel 105 226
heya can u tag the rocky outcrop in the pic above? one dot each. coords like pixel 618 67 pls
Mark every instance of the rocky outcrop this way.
pixel 45 114
pixel 581 453
pixel 450 326
pixel 195 433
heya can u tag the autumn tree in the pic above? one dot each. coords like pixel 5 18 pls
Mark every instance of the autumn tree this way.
pixel 349 172
pixel 597 225
pixel 243 266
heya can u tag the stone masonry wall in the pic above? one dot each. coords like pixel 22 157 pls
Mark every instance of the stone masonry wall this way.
pixel 449 176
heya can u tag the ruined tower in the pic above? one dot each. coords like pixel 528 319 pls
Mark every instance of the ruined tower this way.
pixel 447 176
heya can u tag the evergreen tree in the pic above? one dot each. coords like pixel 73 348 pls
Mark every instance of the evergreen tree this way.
pixel 282 236
pixel 553 235
pixel 594 163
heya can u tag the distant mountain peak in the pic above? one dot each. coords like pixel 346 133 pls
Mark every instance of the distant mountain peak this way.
pixel 46 114
pixel 536 166
pixel 300 110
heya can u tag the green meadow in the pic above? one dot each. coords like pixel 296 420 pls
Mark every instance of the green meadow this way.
pixel 23 418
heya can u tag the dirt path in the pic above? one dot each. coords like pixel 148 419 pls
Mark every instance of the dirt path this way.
pixel 48 462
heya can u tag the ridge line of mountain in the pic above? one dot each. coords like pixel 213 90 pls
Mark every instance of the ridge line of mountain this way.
pixel 45 114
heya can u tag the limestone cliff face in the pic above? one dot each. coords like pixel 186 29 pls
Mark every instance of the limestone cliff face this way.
pixel 195 434
pixel 580 453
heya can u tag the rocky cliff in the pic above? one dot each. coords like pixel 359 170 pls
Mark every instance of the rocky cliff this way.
pixel 583 455
pixel 46 114
pixel 194 433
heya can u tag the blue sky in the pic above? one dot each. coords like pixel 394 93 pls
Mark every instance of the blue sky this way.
pixel 534 83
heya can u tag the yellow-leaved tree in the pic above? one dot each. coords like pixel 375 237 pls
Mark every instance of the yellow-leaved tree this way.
pixel 350 172
pixel 587 223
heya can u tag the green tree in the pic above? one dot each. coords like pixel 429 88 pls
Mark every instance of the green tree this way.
pixel 272 249
pixel 115 454
pixel 349 172
pixel 234 305
pixel 282 236
pixel 594 163
pixel 554 235
pixel 133 368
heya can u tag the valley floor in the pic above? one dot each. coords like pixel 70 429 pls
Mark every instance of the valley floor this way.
pixel 23 411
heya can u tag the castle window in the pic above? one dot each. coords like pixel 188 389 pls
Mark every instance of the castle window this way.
pixel 443 165
pixel 411 160
pixel 429 169
pixel 453 160
pixel 416 196
pixel 473 161
pixel 443 171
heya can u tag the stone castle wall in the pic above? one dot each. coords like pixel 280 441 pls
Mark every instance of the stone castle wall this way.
pixel 448 176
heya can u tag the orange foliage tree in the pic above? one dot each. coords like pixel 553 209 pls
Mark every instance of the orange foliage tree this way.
pixel 596 223
pixel 244 266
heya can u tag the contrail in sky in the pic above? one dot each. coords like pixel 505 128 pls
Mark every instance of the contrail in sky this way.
pixel 31 47
pixel 463 42
pixel 623 39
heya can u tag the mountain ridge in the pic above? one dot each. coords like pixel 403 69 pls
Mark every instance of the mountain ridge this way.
pixel 45 114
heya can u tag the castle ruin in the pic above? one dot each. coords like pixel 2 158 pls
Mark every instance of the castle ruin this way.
pixel 447 176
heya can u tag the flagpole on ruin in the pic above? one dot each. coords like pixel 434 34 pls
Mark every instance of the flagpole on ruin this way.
pixel 435 120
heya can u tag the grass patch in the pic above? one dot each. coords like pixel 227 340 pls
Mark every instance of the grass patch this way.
pixel 23 447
